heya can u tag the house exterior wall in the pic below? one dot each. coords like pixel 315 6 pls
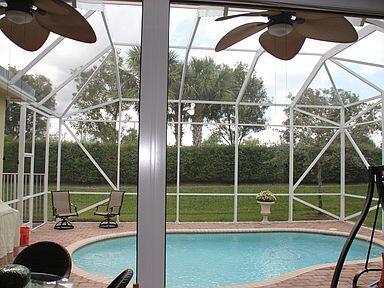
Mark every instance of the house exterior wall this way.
pixel 3 103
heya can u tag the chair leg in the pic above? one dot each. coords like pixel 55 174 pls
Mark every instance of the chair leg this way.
pixel 63 224
pixel 108 223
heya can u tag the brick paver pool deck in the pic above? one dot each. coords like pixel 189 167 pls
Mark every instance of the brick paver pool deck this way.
pixel 317 278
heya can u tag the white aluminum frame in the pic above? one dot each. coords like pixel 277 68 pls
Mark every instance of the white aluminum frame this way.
pixel 153 127
pixel 21 178
pixel 295 106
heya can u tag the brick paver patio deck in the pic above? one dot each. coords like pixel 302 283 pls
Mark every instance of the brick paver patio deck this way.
pixel 318 278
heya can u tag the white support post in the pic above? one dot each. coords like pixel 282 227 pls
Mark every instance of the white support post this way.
pixel 342 164
pixel 32 171
pixel 120 126
pixel 179 120
pixel 58 171
pixel 20 182
pixel 46 170
pixel 236 172
pixel 153 144
pixel 342 146
pixel 291 145
pixel 243 88
pixel 179 129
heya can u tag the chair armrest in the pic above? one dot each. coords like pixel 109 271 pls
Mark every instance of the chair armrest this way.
pixel 75 207
pixel 97 207
pixel 111 209
pixel 54 211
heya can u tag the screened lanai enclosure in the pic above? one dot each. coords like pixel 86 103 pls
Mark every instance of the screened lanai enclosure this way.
pixel 239 121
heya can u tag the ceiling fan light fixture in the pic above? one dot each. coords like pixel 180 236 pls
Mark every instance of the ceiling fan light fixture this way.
pixel 19 17
pixel 280 29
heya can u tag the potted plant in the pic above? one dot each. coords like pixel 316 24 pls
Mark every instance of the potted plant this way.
pixel 265 199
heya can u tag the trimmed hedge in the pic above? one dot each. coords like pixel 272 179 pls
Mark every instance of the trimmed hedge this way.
pixel 206 164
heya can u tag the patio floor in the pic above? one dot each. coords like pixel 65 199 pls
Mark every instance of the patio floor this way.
pixel 316 278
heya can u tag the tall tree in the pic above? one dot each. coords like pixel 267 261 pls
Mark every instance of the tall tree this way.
pixel 255 93
pixel 175 68
pixel 103 87
pixel 208 81
pixel 328 97
pixel 42 86
pixel 205 80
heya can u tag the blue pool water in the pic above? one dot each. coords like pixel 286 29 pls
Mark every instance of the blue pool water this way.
pixel 214 260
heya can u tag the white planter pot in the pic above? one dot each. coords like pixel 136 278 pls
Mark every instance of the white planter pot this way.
pixel 265 210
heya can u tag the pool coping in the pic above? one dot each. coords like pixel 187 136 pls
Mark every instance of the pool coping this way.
pixel 274 280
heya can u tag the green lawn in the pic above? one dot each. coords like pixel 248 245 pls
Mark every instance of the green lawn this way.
pixel 220 208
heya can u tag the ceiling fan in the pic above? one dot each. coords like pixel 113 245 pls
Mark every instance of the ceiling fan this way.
pixel 28 23
pixel 287 31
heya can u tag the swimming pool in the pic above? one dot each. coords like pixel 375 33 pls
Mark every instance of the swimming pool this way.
pixel 223 259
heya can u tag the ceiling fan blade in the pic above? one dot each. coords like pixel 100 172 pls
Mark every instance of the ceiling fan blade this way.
pixel 52 6
pixel 285 47
pixel 29 36
pixel 238 34
pixel 73 25
pixel 259 13
pixel 332 28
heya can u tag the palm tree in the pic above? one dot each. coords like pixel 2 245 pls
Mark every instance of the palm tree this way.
pixel 206 80
pixel 174 80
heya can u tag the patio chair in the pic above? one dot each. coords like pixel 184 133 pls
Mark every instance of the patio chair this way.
pixel 47 261
pixel 62 209
pixel 122 280
pixel 112 209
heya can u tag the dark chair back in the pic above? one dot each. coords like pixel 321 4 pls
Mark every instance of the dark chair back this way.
pixel 122 280
pixel 61 202
pixel 46 257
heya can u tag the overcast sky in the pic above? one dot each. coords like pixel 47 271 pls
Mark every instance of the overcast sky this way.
pixel 280 77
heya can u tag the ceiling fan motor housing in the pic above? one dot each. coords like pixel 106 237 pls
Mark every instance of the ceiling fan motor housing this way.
pixel 281 24
pixel 19 11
